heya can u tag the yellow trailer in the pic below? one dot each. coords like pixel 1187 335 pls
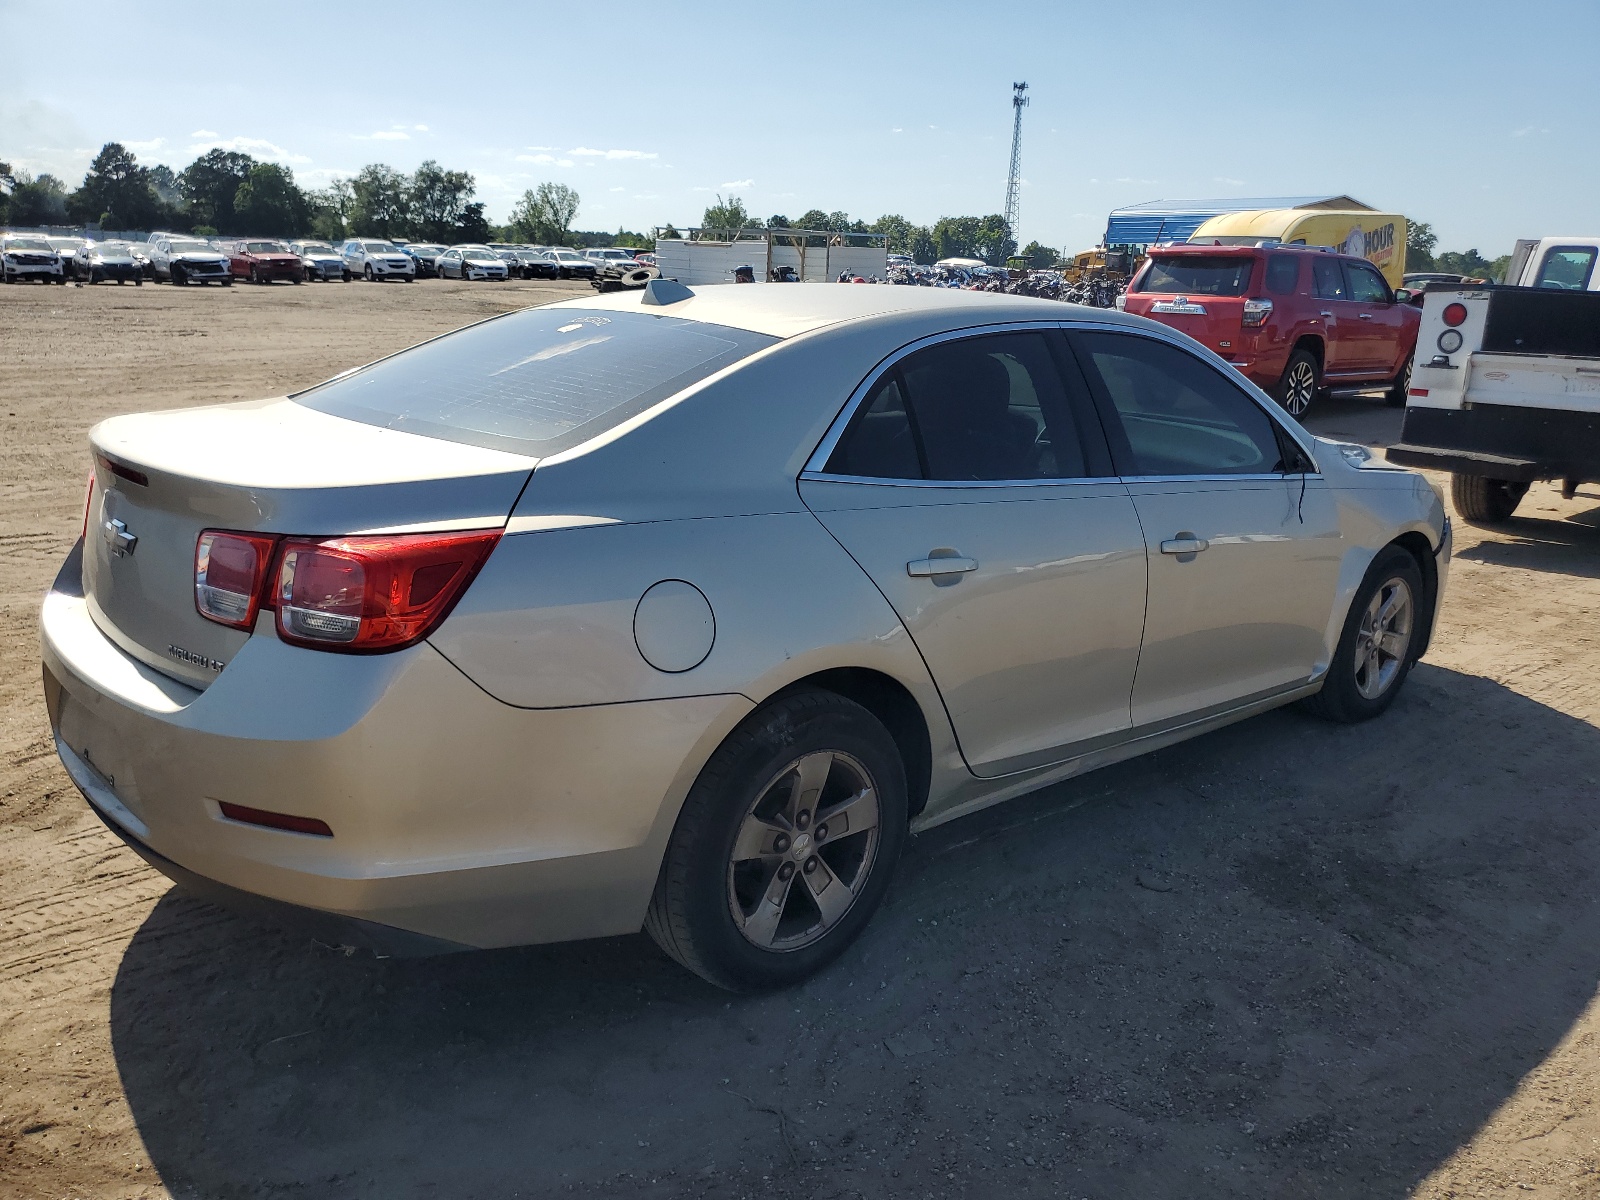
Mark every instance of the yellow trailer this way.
pixel 1380 238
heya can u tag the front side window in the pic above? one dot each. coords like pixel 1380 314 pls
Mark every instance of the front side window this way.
pixel 979 409
pixel 1198 275
pixel 1179 416
pixel 1566 267
pixel 1366 285
pixel 536 381
pixel 1328 277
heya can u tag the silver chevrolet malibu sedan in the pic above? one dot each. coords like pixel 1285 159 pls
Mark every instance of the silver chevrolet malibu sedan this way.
pixel 681 610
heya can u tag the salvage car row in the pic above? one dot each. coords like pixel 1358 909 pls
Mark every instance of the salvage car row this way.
pixel 185 258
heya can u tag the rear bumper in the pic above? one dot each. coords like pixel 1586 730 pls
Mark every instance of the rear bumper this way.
pixel 455 817
pixel 1501 441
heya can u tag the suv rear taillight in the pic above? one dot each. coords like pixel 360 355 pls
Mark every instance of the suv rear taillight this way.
pixel 229 570
pixel 1256 312
pixel 360 595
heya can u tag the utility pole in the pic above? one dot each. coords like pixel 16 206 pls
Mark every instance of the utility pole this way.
pixel 1019 101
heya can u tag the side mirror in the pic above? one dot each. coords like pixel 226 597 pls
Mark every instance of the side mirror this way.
pixel 1402 295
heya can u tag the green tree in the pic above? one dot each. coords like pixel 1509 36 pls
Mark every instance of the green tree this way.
pixel 1039 255
pixel 1420 244
pixel 921 248
pixel 1499 267
pixel 1468 262
pixel 330 210
pixel 812 218
pixel 545 214
pixel 164 182
pixel 269 202
pixel 439 201
pixel 995 242
pixel 473 225
pixel 41 201
pixel 380 205
pixel 729 214
pixel 779 221
pixel 209 184
pixel 956 237
pixel 116 192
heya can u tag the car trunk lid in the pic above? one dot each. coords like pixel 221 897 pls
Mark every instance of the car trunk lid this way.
pixel 274 467
pixel 1203 295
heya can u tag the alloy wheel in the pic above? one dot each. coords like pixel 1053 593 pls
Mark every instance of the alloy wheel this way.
pixel 1299 388
pixel 803 851
pixel 1384 639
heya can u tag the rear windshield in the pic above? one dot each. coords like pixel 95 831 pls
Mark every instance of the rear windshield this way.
pixel 1198 275
pixel 536 381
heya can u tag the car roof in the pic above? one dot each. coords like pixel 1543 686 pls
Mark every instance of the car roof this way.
pixel 787 310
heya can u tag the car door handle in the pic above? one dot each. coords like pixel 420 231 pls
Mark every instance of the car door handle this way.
pixel 1184 543
pixel 1364 316
pixel 953 564
pixel 1325 313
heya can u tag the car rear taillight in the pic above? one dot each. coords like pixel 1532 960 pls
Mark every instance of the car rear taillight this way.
pixel 1454 314
pixel 1256 312
pixel 366 595
pixel 229 571
pixel 88 503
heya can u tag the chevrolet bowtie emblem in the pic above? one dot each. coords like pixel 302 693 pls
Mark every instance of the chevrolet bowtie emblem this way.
pixel 118 538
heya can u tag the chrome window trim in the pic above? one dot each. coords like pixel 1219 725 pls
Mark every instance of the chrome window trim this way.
pixel 809 476
pixel 814 466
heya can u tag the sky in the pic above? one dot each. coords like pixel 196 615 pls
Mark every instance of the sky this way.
pixel 1477 117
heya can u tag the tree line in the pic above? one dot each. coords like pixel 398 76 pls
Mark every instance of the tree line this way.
pixel 988 238
pixel 227 192
pixel 1421 242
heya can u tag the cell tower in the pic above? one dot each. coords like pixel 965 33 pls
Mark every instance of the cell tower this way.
pixel 1019 101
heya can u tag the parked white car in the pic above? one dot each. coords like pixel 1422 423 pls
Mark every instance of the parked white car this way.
pixel 471 262
pixel 376 261
pixel 611 256
pixel 24 257
pixel 181 259
pixel 679 610
pixel 320 260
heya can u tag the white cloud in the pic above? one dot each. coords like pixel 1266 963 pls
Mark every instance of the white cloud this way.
pixel 148 147
pixel 205 133
pixel 1527 129
pixel 587 152
pixel 383 135
pixel 258 147
pixel 420 128
pixel 897 129
pixel 1229 182
pixel 616 189
pixel 544 160
pixel 740 183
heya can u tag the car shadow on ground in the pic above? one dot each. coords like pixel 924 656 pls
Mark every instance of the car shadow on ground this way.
pixel 1565 546
pixel 1288 958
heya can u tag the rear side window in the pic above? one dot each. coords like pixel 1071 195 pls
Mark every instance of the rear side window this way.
pixel 979 409
pixel 1283 274
pixel 1566 267
pixel 536 381
pixel 1179 416
pixel 1328 277
pixel 1199 275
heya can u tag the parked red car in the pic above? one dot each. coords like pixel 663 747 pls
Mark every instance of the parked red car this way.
pixel 1294 321
pixel 262 262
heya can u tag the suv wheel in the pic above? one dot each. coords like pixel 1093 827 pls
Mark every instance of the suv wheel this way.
pixel 1395 397
pixel 785 845
pixel 1485 501
pixel 1298 387
pixel 367 273
pixel 1375 650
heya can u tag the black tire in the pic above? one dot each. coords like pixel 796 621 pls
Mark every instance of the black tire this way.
pixel 1302 379
pixel 175 274
pixel 691 913
pixel 1352 691
pixel 345 276
pixel 1485 501
pixel 1395 397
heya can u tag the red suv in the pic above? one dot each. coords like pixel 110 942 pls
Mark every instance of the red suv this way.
pixel 1292 320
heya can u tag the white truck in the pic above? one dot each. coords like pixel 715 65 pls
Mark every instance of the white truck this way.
pixel 1505 386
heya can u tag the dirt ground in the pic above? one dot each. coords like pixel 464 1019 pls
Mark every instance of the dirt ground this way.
pixel 1287 959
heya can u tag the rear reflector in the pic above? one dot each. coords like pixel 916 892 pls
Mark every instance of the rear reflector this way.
pixel 275 820
pixel 1417 392
pixel 229 570
pixel 1454 314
